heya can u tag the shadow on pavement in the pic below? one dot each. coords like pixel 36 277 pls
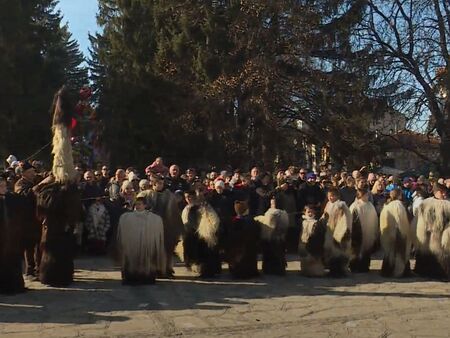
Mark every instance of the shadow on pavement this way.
pixel 93 299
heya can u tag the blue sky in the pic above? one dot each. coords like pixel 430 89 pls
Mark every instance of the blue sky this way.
pixel 80 15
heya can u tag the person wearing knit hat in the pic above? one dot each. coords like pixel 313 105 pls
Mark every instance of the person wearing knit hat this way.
pixel 311 176
pixel 407 190
pixel 25 187
pixel 310 193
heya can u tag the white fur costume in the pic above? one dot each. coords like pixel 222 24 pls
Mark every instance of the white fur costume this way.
pixel 338 237
pixel 311 246
pixel 141 242
pixel 433 238
pixel 366 213
pixel 396 239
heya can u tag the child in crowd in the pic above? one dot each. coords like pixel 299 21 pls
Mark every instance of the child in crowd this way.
pixel 311 244
pixel 97 224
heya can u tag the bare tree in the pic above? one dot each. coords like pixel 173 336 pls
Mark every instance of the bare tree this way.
pixel 411 39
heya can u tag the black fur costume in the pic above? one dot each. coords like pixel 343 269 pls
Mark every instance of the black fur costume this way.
pixel 201 251
pixel 12 226
pixel 311 247
pixel 274 224
pixel 365 235
pixel 241 247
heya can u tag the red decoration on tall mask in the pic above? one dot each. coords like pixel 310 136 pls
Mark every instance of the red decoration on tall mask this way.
pixel 73 124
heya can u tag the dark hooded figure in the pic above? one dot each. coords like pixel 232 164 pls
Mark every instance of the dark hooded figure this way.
pixel 58 200
pixel 241 244
pixel 11 240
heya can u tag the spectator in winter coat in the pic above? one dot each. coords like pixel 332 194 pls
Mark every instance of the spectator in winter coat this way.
pixel 348 193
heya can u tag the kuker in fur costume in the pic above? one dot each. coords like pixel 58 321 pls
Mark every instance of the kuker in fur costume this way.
pixel 396 239
pixel 365 233
pixel 140 236
pixel 12 225
pixel 337 247
pixel 311 245
pixel 165 204
pixel 241 243
pixel 274 224
pixel 59 202
pixel 433 238
pixel 199 248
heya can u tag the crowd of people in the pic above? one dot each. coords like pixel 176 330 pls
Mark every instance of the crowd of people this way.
pixel 334 221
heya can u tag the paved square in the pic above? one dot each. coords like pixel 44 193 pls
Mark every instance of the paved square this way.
pixel 97 305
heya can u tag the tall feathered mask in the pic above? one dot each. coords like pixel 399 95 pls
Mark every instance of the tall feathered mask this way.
pixel 62 109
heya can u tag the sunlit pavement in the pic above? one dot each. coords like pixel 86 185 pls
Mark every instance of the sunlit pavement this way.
pixel 97 305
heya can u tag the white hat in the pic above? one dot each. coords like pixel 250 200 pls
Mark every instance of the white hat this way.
pixel 11 159
pixel 219 183
pixel 144 183
pixel 132 176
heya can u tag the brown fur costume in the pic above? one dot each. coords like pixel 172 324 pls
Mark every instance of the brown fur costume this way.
pixel 59 208
pixel 59 203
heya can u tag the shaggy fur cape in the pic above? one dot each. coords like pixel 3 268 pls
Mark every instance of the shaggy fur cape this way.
pixel 164 204
pixel 59 207
pixel 311 247
pixel 199 248
pixel 12 226
pixel 433 238
pixel 365 235
pixel 59 204
pixel 396 239
pixel 141 243
pixel 337 248
pixel 274 224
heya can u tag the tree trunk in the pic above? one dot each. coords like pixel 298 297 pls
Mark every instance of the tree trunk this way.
pixel 444 148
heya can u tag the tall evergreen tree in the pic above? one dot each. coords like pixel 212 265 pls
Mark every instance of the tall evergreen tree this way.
pixel 224 80
pixel 38 55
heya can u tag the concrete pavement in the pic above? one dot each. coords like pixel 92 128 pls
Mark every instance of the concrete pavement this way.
pixel 97 305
